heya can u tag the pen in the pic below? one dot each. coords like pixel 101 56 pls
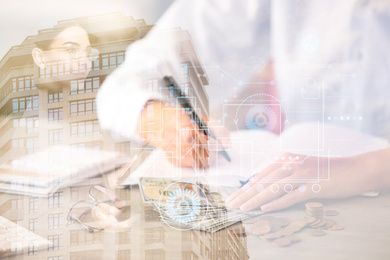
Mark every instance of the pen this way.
pixel 185 103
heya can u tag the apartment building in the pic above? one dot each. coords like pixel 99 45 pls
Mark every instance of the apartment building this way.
pixel 42 107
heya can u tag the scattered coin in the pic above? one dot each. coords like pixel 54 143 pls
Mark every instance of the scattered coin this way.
pixel 294 228
pixel 281 230
pixel 299 223
pixel 336 227
pixel 317 233
pixel 315 222
pixel 283 221
pixel 329 223
pixel 272 236
pixel 314 205
pixel 314 209
pixel 249 221
pixel 281 242
pixel 322 223
pixel 285 232
pixel 294 238
pixel 310 220
pixel 261 230
pixel 331 213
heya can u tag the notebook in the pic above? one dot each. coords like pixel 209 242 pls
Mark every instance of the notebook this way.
pixel 46 171
pixel 253 150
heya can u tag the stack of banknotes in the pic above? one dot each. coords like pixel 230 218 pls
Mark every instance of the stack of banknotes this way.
pixel 189 205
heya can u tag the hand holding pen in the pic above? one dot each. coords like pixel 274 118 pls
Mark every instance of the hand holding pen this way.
pixel 180 132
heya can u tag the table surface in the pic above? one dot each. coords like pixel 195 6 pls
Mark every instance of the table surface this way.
pixel 366 234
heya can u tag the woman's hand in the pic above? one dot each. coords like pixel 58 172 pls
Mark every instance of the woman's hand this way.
pixel 293 178
pixel 170 129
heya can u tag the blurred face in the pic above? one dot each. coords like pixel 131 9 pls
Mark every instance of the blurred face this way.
pixel 72 45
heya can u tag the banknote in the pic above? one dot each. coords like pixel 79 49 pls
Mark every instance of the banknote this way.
pixel 187 205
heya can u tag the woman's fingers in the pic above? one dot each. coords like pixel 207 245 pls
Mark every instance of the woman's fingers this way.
pixel 271 193
pixel 286 201
pixel 247 194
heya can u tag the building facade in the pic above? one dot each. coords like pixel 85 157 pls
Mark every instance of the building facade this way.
pixel 42 107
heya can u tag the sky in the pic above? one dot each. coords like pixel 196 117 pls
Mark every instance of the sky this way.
pixel 21 18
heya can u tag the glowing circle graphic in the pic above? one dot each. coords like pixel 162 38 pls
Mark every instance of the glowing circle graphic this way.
pixel 183 205
pixel 261 117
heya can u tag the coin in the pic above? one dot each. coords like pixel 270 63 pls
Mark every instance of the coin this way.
pixel 261 230
pixel 314 205
pixel 329 223
pixel 331 213
pixel 285 232
pixel 317 233
pixel 299 223
pixel 294 228
pixel 336 227
pixel 294 238
pixel 249 221
pixel 310 220
pixel 272 236
pixel 315 222
pixel 281 242
pixel 322 223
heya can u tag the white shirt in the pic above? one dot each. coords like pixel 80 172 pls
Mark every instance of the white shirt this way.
pixel 330 58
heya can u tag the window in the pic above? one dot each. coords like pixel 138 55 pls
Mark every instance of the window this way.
pixel 96 64
pixel 74 193
pixel 124 193
pixel 33 205
pixel 22 84
pixel 153 85
pixel 55 258
pixel 154 235
pixel 56 242
pixel 82 107
pixel 17 204
pixel 124 237
pixel 33 249
pixel 112 60
pixel 21 122
pixel 80 147
pixel 32 145
pixel 184 69
pixel 83 86
pixel 151 215
pixel 156 254
pixel 55 115
pixel 82 237
pixel 85 128
pixel 82 255
pixel 25 104
pixel 123 148
pixel 60 68
pixel 16 246
pixel 123 254
pixel 56 200
pixel 55 179
pixel 32 125
pixel 56 136
pixel 55 96
pixel 18 143
pixel 56 221
pixel 33 225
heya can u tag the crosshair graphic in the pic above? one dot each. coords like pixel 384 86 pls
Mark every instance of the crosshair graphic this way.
pixel 310 43
pixel 261 117
pixel 183 205
pixel 261 112
pixel 186 203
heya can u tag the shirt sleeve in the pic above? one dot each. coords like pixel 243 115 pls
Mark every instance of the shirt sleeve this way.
pixel 221 30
